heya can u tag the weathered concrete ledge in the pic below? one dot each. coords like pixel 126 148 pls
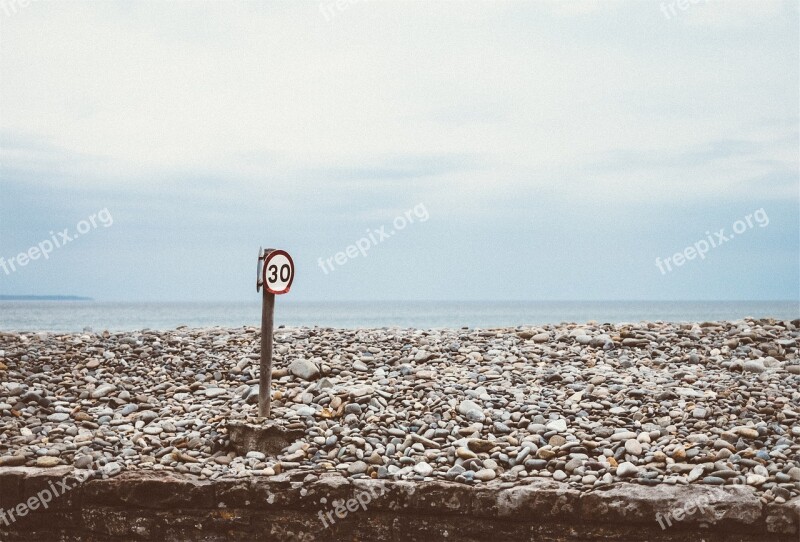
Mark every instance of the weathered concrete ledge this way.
pixel 153 505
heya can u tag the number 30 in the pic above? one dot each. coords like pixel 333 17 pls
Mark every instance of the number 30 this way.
pixel 274 270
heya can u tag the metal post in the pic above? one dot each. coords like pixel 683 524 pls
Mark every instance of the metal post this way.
pixel 265 376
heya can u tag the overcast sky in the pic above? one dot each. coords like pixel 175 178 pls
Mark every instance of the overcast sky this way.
pixel 557 149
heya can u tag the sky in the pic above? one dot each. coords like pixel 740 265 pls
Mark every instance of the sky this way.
pixel 463 150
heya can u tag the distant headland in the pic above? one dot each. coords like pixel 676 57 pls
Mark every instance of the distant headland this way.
pixel 44 298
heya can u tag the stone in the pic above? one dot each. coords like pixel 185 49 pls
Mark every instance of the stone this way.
pixel 471 411
pixel 358 467
pixel 12 460
pixel 47 461
pixel 633 447
pixel 102 391
pixel 627 470
pixel 746 432
pixel 480 445
pixel 662 410
pixel 753 366
pixel 559 425
pixel 465 453
pixel 259 456
pixel 304 369
pixel 485 475
pixel 695 474
pixel 423 469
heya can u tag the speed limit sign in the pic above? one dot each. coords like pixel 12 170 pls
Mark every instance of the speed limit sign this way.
pixel 275 273
pixel 278 272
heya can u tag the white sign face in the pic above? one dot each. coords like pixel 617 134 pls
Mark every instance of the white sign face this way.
pixel 278 272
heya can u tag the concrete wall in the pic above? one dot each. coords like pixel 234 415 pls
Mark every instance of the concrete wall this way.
pixel 163 506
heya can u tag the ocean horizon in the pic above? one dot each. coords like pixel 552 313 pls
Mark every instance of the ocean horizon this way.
pixel 75 316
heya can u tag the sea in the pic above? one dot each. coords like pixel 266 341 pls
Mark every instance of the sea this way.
pixel 74 316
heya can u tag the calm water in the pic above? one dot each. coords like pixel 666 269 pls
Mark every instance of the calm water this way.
pixel 77 315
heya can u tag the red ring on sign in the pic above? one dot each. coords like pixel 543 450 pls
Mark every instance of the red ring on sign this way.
pixel 267 259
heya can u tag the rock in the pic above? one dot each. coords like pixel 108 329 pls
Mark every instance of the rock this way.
pixel 181 457
pixel 754 366
pixel 12 460
pixel 422 356
pixel 465 453
pixel 633 447
pixel 358 467
pixel 147 416
pixel 559 425
pixel 471 404
pixel 627 470
pixel 47 461
pixel 480 445
pixel 251 395
pixel 375 459
pixel 83 462
pixel 545 453
pixel 302 368
pixel 695 474
pixel 423 469
pixel 454 471
pixel 102 391
pixel 471 411
pixel 259 456
pixel 353 408
pixel 746 432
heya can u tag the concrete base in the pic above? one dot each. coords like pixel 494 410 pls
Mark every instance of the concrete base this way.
pixel 267 438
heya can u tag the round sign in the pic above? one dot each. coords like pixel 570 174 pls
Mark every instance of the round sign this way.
pixel 278 272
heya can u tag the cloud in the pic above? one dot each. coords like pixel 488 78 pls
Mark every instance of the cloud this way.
pixel 222 124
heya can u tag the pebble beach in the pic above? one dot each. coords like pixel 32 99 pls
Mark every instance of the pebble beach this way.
pixel 588 405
